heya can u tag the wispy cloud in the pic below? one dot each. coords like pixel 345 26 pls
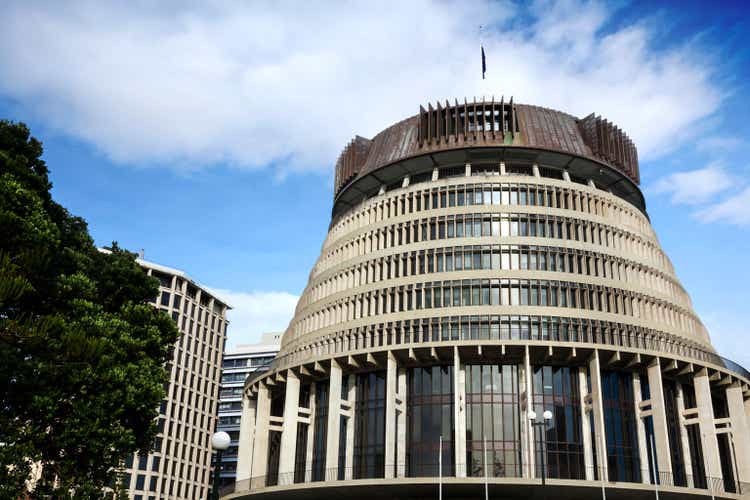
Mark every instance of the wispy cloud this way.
pixel 694 187
pixel 189 84
pixel 719 144
pixel 733 210
pixel 254 313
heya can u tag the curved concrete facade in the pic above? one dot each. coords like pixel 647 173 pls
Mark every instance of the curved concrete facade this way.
pixel 460 288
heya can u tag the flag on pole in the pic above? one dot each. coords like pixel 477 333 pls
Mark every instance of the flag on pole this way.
pixel 484 64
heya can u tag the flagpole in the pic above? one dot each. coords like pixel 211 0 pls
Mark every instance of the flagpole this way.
pixel 440 470
pixel 486 485
pixel 655 466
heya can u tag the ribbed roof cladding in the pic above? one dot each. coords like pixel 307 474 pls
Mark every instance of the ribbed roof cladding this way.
pixel 489 123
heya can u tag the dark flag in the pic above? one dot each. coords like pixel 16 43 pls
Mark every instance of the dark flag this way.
pixel 484 64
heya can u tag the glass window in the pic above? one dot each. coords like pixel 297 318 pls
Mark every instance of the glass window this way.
pixel 492 414
pixel 623 459
pixel 487 195
pixel 369 421
pixel 556 389
pixel 429 416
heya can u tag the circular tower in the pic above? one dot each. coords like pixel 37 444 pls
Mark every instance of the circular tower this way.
pixel 492 314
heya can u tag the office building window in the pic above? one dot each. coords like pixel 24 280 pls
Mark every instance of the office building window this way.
pixel 429 415
pixel 320 434
pixel 555 388
pixel 369 421
pixel 623 460
pixel 492 414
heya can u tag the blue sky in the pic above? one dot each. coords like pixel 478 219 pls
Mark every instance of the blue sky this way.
pixel 206 134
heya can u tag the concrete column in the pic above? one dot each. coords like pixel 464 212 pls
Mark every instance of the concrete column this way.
pixel 260 443
pixel 334 413
pixel 247 434
pixel 707 426
pixel 640 427
pixel 740 431
pixel 598 415
pixel 528 456
pixel 468 170
pixel 401 425
pixel 588 449
pixel 391 382
pixel 289 427
pixel 349 452
pixel 684 434
pixel 459 412
pixel 659 417
pixel 310 435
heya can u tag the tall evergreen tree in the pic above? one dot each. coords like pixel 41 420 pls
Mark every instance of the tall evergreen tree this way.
pixel 82 353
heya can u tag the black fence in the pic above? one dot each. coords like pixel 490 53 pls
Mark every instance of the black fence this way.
pixel 533 473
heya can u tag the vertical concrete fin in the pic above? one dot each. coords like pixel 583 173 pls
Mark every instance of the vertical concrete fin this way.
pixel 334 414
pixel 598 414
pixel 247 437
pixel 659 417
pixel 740 431
pixel 706 424
pixel 459 412
pixel 260 443
pixel 391 381
pixel 289 428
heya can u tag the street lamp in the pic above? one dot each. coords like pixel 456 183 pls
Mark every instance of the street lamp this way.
pixel 219 442
pixel 546 417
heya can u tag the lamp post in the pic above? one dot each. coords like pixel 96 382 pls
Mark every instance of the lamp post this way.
pixel 219 442
pixel 547 416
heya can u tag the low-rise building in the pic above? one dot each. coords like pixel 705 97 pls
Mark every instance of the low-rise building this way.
pixel 237 365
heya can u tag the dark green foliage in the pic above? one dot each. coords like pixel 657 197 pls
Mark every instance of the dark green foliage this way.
pixel 81 350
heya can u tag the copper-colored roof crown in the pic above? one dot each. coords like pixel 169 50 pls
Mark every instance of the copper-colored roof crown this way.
pixel 493 124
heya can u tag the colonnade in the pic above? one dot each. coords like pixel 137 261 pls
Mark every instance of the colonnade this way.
pixel 257 420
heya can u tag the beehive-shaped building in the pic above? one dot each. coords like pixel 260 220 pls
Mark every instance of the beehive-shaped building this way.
pixel 491 308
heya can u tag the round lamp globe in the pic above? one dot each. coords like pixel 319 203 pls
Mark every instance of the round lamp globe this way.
pixel 220 441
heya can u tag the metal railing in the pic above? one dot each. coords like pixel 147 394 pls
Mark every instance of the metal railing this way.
pixel 533 473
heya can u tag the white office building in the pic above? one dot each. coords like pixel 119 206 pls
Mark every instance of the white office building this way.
pixel 237 365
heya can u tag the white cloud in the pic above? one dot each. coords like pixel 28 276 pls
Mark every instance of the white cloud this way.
pixel 734 210
pixel 694 187
pixel 192 84
pixel 254 313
